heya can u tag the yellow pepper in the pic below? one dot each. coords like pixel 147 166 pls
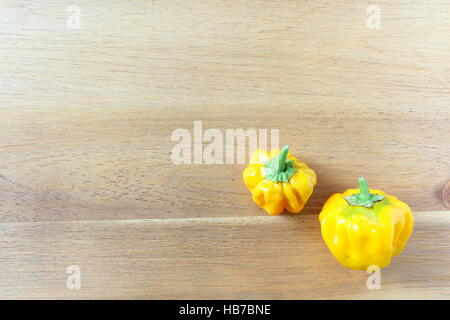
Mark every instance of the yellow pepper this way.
pixel 365 227
pixel 279 181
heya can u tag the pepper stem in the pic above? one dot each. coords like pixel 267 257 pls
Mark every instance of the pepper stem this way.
pixel 279 168
pixel 364 193
pixel 364 198
pixel 282 156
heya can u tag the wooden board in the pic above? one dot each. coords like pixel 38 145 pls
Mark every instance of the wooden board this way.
pixel 223 258
pixel 86 118
pixel 98 163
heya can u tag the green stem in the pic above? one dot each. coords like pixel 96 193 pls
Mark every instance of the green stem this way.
pixel 364 198
pixel 279 168
pixel 282 156
pixel 364 193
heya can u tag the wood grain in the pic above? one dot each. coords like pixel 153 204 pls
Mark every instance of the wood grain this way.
pixel 87 114
pixel 190 53
pixel 248 258
pixel 96 163
pixel 86 118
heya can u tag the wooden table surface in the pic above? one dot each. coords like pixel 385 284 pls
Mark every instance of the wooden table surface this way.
pixel 86 117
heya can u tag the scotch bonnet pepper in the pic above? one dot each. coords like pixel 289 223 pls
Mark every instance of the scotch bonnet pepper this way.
pixel 365 227
pixel 279 181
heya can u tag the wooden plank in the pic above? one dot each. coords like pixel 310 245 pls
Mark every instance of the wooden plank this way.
pixel 246 257
pixel 86 115
pixel 86 118
pixel 97 163
pixel 189 53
